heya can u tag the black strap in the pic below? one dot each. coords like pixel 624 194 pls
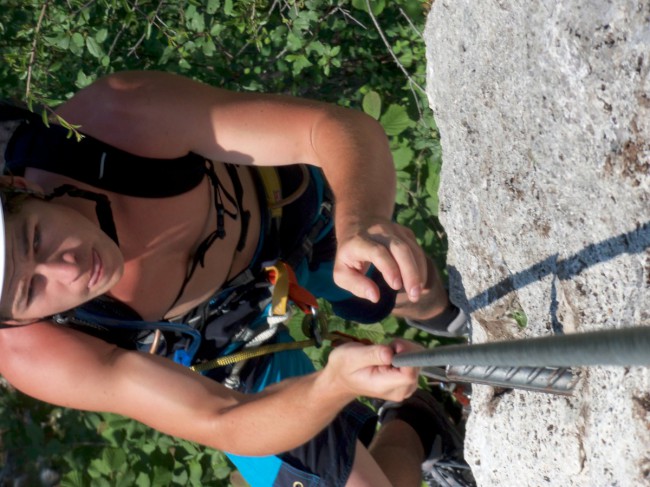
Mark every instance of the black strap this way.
pixel 102 206
pixel 100 165
pixel 239 196
pixel 220 232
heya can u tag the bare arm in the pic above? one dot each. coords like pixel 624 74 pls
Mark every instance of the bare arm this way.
pixel 68 368
pixel 162 115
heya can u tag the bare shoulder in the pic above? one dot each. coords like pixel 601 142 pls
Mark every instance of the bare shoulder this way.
pixel 44 360
pixel 42 339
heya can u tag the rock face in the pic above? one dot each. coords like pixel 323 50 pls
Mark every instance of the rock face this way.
pixel 544 115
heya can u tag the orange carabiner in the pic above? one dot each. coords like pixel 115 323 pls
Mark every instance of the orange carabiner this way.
pixel 281 275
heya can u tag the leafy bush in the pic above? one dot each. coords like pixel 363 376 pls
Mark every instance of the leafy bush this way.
pixel 332 50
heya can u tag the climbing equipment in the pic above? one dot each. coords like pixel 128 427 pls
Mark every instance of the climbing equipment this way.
pixel 540 363
pixel 625 346
pixel 554 380
pixel 285 289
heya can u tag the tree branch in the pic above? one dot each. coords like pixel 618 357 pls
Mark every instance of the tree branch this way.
pixel 32 56
pixel 390 49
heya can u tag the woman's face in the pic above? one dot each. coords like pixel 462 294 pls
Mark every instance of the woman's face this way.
pixel 56 259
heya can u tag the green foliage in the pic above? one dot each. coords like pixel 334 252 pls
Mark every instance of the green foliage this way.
pixel 99 449
pixel 520 317
pixel 332 50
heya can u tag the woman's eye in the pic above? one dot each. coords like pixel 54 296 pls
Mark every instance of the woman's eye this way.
pixel 37 239
pixel 35 286
pixel 30 292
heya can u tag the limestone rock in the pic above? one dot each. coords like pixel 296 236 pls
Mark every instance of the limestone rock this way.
pixel 544 115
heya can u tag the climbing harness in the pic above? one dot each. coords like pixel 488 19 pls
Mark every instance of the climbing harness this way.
pixel 285 290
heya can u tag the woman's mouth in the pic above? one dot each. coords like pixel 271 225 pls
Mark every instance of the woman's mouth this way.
pixel 96 271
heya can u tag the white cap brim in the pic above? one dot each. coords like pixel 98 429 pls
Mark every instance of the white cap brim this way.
pixel 3 257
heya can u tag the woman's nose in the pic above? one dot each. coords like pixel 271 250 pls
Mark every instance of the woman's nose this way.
pixel 63 268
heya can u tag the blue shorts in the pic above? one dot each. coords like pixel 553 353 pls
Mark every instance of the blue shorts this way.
pixel 324 461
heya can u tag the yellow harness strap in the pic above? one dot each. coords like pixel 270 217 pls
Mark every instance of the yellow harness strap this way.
pixel 272 189
pixel 280 298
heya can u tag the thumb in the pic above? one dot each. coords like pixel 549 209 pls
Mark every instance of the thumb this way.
pixel 358 356
pixel 374 355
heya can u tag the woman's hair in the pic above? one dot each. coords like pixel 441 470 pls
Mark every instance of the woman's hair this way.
pixel 12 114
pixel 13 196
pixel 10 111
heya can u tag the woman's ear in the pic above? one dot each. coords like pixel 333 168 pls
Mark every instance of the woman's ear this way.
pixel 20 182
pixel 7 323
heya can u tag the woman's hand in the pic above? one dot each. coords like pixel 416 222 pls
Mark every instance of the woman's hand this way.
pixel 365 370
pixel 390 247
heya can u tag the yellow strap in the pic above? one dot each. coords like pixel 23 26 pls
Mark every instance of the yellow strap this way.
pixel 280 298
pixel 272 188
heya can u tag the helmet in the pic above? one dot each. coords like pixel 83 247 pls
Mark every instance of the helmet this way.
pixel 3 246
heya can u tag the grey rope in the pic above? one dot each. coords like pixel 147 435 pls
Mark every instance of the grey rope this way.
pixel 627 346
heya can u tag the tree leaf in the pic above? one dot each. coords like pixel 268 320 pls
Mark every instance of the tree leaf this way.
pixel 372 104
pixel 377 6
pixel 402 156
pixel 208 47
pixel 142 480
pixel 94 48
pixel 294 42
pixel 432 204
pixel 44 118
pixel 78 39
pixel 61 41
pixel 299 62
pixel 98 468
pixel 390 325
pixel 162 476
pixel 212 6
pixel 196 473
pixel 228 8
pixel 73 478
pixel 432 182
pixel 396 119
pixel 373 332
pixel 114 458
pixel 195 20
pixel 125 479
pixel 100 35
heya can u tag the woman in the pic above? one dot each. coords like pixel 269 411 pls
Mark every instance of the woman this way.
pixel 162 254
